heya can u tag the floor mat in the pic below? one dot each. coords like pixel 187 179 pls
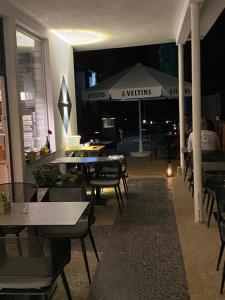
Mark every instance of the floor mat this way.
pixel 142 257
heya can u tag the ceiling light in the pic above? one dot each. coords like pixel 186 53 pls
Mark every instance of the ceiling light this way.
pixel 79 37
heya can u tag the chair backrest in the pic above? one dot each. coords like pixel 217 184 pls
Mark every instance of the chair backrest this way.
pixel 19 191
pixel 42 261
pixel 220 200
pixel 213 156
pixel 111 152
pixel 110 168
pixel 213 181
pixel 108 152
pixel 72 194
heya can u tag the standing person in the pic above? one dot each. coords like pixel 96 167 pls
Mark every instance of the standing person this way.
pixel 209 139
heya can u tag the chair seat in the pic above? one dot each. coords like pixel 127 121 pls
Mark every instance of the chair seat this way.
pixel 11 229
pixel 36 273
pixel 74 231
pixel 104 182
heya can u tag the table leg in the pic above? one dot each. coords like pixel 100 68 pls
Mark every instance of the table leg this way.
pixel 98 199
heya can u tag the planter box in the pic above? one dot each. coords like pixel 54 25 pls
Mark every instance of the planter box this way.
pixel 4 207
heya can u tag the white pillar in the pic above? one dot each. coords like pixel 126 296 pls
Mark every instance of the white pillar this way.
pixel 181 103
pixel 140 132
pixel 196 109
pixel 15 122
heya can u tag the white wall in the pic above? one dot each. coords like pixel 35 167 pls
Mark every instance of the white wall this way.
pixel 61 61
pixel 58 61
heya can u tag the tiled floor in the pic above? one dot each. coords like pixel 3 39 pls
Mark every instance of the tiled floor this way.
pixel 200 245
pixel 142 258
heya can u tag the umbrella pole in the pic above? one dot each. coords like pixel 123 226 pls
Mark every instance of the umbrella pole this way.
pixel 140 153
pixel 140 132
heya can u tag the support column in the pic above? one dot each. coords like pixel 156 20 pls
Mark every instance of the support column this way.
pixel 15 121
pixel 196 108
pixel 181 103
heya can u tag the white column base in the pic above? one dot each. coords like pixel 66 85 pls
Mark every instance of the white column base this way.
pixel 179 171
pixel 140 154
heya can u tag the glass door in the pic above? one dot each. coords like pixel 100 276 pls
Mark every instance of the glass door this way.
pixel 4 150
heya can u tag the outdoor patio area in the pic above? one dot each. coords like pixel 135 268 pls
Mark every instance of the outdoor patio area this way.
pixel 112 150
pixel 134 259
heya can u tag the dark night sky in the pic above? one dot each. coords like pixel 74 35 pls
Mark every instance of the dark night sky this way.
pixel 111 61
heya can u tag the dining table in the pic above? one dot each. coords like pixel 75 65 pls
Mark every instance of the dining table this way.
pixel 89 149
pixel 213 166
pixel 43 214
pixel 84 163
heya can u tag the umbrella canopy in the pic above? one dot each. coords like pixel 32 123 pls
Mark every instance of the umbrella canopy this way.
pixel 137 83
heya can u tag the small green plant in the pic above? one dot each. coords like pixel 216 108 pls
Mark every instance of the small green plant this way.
pixel 31 155
pixel 73 179
pixel 47 175
pixel 3 197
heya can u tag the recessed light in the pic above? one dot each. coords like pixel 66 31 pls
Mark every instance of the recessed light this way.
pixel 79 37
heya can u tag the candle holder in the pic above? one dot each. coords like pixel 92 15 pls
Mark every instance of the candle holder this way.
pixel 169 170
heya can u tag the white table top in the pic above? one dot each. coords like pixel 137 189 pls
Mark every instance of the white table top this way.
pixel 44 213
pixel 213 166
pixel 86 160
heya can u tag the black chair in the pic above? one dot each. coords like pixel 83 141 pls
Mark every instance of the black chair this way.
pixel 210 156
pixel 35 273
pixel 108 175
pixel 211 182
pixel 82 228
pixel 220 200
pixel 123 161
pixel 17 192
pixel 72 168
pixel 188 159
pixel 213 155
pixel 207 156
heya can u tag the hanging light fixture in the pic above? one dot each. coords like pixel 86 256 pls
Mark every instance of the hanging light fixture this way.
pixel 169 170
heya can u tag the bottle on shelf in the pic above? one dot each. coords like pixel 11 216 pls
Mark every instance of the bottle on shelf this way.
pixel 47 144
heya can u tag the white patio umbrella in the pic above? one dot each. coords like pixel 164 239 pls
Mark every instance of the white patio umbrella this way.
pixel 138 82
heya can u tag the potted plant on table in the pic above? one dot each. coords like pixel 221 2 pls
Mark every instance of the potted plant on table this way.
pixel 4 203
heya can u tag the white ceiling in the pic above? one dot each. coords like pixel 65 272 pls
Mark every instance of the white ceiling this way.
pixel 125 22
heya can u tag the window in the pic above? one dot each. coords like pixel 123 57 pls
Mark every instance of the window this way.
pixel 31 84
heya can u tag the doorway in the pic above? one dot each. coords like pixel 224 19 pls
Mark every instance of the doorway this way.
pixel 4 149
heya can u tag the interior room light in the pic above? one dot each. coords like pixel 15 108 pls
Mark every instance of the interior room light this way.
pixel 22 96
pixel 79 37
